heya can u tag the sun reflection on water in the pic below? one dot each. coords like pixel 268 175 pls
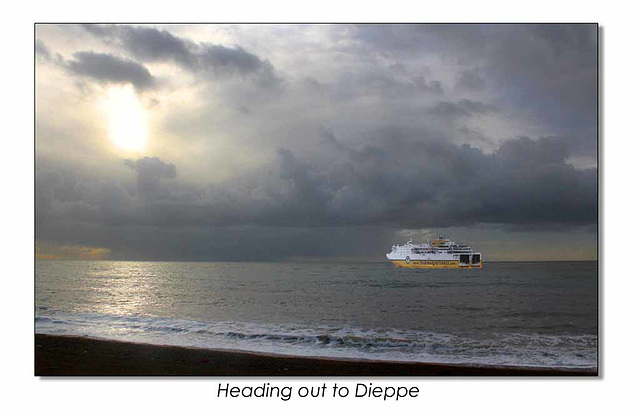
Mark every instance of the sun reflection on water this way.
pixel 131 289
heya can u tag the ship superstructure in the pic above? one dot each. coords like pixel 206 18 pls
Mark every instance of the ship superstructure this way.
pixel 439 253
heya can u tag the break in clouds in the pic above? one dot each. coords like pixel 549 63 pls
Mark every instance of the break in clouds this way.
pixel 278 142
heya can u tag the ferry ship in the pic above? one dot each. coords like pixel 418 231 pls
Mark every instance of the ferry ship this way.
pixel 440 253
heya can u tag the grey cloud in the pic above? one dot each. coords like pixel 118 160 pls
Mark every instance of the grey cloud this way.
pixel 151 44
pixel 550 69
pixel 109 69
pixel 462 108
pixel 475 135
pixel 470 80
pixel 42 50
pixel 477 107
pixel 152 168
pixel 407 181
pixel 44 54
pixel 575 38
pixel 432 86
pixel 388 86
pixel 150 172
pixel 411 181
pixel 47 183
pixel 397 179
pixel 222 243
pixel 216 57
pixel 353 152
pixel 145 43
pixel 330 138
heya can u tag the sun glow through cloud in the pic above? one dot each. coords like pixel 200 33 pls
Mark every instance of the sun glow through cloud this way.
pixel 126 118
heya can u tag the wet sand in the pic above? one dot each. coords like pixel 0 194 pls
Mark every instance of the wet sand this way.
pixel 78 356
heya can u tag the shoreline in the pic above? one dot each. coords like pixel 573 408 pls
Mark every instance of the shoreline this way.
pixel 83 356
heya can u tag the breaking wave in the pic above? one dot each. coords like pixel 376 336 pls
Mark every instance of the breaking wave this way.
pixel 303 340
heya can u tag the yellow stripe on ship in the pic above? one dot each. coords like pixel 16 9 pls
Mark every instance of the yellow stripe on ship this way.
pixel 435 264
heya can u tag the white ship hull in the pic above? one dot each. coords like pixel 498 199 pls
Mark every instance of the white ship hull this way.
pixel 441 254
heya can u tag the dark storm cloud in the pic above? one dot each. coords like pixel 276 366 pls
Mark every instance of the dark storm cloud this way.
pixel 548 68
pixel 147 44
pixel 109 69
pixel 397 178
pixel 154 45
pixel 415 182
pixel 150 172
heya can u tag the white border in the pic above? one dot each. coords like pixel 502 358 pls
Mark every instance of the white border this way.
pixel 619 146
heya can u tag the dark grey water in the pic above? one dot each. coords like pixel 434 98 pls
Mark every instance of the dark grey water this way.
pixel 526 313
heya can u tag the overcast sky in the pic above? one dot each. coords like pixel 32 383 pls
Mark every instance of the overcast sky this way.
pixel 263 142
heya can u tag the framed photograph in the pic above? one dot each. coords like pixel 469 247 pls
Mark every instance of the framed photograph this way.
pixel 316 199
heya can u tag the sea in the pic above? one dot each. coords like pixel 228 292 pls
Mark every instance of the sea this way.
pixel 528 314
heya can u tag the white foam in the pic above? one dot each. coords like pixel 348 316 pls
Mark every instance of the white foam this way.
pixel 325 341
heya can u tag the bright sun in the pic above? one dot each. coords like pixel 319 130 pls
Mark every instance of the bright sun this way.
pixel 126 118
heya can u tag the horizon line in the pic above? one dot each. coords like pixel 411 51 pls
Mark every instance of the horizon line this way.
pixel 284 260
